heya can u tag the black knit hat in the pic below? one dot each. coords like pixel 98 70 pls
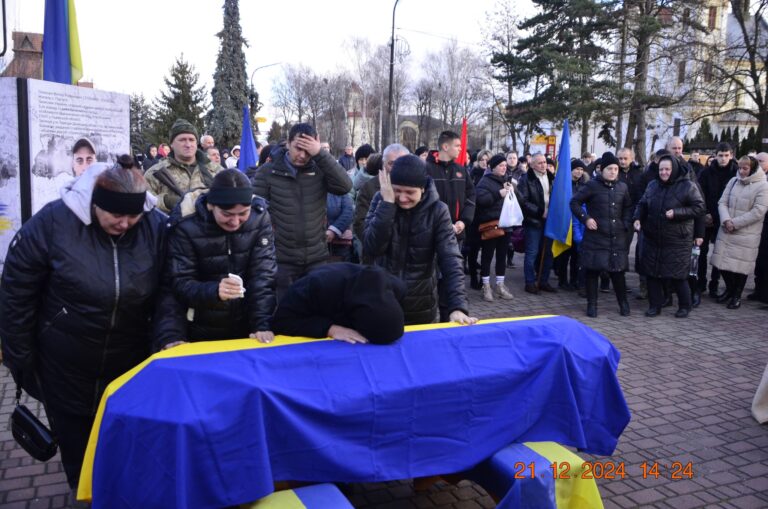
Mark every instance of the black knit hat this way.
pixel 496 160
pixel 363 152
pixel 182 126
pixel 410 171
pixel 578 163
pixel 607 159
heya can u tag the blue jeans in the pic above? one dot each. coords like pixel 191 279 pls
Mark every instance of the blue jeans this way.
pixel 534 243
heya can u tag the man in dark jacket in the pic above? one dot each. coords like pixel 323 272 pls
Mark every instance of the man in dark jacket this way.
pixel 296 184
pixel 713 180
pixel 454 188
pixel 345 301
pixel 347 160
pixel 533 193
pixel 695 163
pixel 453 183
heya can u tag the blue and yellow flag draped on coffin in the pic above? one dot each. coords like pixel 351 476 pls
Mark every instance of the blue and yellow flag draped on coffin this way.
pixel 62 62
pixel 215 424
pixel 559 227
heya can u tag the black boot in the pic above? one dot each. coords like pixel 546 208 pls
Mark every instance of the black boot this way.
pixel 624 307
pixel 592 297
pixel 695 298
pixel 739 281
pixel 474 281
pixel 724 297
pixel 620 287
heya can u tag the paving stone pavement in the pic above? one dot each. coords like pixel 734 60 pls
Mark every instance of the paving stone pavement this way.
pixel 689 385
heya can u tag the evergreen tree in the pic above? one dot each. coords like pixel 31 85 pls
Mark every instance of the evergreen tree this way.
pixel 141 122
pixel 567 39
pixel 181 99
pixel 736 140
pixel 275 133
pixel 230 89
pixel 704 133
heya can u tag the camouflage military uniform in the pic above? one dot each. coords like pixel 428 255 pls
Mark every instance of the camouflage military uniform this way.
pixel 170 179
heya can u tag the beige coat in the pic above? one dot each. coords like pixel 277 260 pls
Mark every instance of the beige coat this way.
pixel 745 202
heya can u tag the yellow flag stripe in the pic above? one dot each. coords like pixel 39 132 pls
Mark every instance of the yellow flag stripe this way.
pixel 279 500
pixel 572 492
pixel 75 59
pixel 85 486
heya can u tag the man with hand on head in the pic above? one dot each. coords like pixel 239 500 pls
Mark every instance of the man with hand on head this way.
pixel 296 184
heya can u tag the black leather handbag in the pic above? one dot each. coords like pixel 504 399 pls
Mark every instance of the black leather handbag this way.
pixel 31 434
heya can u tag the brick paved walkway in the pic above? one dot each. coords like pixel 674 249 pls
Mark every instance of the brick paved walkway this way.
pixel 689 385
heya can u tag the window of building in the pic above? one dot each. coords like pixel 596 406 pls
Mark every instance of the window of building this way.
pixel 712 18
pixel 680 73
pixel 676 128
pixel 708 71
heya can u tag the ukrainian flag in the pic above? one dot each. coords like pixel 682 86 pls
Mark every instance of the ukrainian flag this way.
pixel 61 45
pixel 558 226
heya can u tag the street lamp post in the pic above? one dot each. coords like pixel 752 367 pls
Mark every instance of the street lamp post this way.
pixel 261 67
pixel 251 97
pixel 389 139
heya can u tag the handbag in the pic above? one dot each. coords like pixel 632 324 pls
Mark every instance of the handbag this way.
pixel 490 230
pixel 30 433
pixel 517 239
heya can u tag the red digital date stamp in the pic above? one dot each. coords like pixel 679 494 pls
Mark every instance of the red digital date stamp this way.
pixel 677 470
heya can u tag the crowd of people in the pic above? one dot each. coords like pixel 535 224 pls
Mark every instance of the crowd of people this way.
pixel 142 257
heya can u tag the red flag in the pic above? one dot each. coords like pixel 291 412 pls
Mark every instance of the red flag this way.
pixel 462 159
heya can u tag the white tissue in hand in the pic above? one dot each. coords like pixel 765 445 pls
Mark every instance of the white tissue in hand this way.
pixel 239 281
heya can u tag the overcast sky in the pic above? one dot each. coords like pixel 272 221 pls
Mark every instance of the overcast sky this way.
pixel 129 46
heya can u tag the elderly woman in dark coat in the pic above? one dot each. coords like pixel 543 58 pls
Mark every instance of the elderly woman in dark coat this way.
pixel 221 266
pixel 409 233
pixel 608 220
pixel 666 214
pixel 77 297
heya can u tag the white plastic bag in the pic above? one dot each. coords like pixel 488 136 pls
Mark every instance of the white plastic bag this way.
pixel 511 213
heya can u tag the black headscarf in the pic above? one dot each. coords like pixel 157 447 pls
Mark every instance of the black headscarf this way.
pixel 675 169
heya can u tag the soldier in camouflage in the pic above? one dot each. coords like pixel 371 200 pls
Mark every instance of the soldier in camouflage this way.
pixel 185 169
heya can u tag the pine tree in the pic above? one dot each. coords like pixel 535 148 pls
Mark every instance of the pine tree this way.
pixel 230 89
pixel 181 99
pixel 275 133
pixel 568 38
pixel 141 123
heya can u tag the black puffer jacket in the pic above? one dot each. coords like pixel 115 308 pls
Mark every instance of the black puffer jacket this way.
pixel 610 205
pixel 489 201
pixel 413 244
pixel 713 180
pixel 200 255
pixel 76 304
pixel 530 194
pixel 297 204
pixel 667 243
pixel 454 188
